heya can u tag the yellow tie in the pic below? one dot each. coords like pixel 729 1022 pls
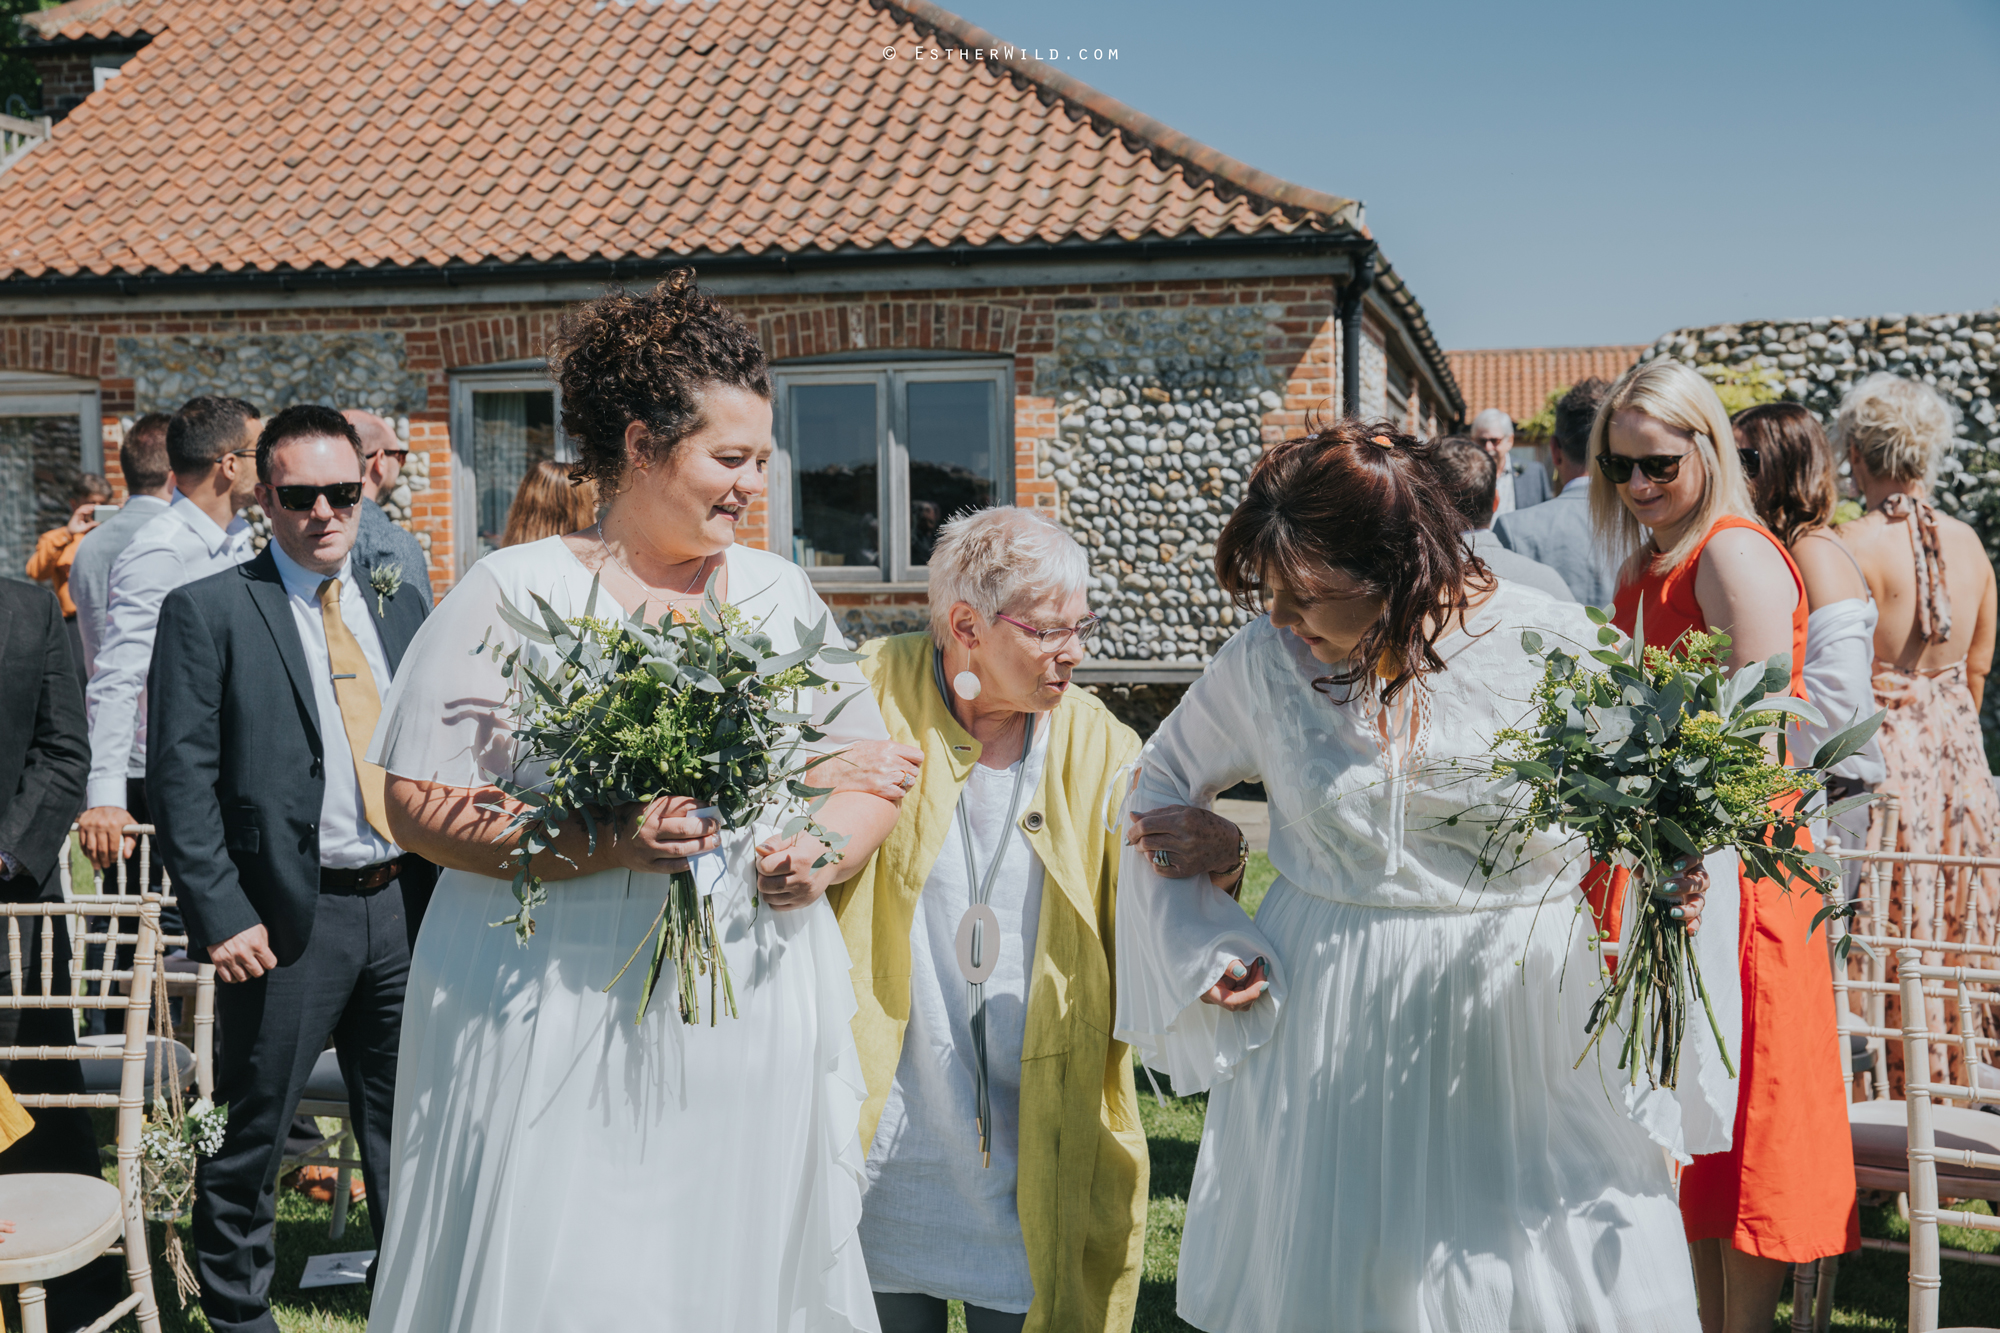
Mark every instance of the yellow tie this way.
pixel 360 705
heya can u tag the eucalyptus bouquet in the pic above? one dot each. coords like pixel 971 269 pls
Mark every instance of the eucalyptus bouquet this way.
pixel 622 713
pixel 1655 755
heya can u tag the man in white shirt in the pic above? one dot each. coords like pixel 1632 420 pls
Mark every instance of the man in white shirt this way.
pixel 210 443
pixel 267 683
pixel 149 489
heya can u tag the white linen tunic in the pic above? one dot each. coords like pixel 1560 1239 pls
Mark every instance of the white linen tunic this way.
pixel 555 1166
pixel 934 1220
pixel 1395 1138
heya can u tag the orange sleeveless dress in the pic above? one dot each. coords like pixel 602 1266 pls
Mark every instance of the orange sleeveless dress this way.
pixel 1785 1188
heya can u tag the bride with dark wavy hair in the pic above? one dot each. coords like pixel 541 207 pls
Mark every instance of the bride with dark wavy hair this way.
pixel 1395 1136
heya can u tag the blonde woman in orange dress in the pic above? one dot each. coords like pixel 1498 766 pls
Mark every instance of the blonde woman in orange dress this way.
pixel 1933 648
pixel 1667 491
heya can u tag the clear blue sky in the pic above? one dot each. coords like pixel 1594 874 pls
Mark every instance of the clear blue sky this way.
pixel 1552 173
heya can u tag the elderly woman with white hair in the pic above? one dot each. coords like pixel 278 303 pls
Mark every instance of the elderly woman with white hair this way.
pixel 1006 1164
pixel 1930 575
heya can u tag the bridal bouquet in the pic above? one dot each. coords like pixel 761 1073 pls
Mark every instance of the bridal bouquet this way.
pixel 1654 755
pixel 628 712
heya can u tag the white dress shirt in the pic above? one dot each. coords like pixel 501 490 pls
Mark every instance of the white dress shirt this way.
pixel 1503 486
pixel 90 572
pixel 177 547
pixel 346 838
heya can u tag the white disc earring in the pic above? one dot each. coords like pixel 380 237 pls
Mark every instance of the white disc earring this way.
pixel 965 685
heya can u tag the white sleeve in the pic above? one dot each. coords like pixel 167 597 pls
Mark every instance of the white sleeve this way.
pixel 446 719
pixel 1839 665
pixel 1175 936
pixel 140 581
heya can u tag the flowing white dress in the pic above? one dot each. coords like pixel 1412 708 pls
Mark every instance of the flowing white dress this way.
pixel 1395 1138
pixel 556 1167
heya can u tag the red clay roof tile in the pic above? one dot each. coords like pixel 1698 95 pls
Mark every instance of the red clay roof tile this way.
pixel 759 125
pixel 1518 380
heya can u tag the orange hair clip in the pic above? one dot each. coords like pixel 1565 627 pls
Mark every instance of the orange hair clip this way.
pixel 1382 440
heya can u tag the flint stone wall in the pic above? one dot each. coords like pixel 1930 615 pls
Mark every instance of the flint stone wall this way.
pixel 1160 419
pixel 274 370
pixel 1820 359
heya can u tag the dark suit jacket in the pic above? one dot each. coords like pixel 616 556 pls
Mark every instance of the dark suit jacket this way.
pixel 1531 483
pixel 234 763
pixel 44 744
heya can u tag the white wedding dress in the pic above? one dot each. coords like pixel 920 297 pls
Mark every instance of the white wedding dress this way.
pixel 1395 1138
pixel 556 1167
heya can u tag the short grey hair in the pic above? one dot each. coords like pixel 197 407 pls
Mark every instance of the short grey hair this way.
pixel 1000 560
pixel 1493 419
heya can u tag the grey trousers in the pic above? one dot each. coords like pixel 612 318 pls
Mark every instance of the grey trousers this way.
pixel 903 1312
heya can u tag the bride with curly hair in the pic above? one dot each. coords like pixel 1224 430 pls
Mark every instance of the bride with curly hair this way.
pixel 556 1166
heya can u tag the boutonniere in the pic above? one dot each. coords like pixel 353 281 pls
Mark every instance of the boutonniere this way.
pixel 386 580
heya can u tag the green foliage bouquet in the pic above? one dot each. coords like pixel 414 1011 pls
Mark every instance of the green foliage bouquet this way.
pixel 626 713
pixel 1655 756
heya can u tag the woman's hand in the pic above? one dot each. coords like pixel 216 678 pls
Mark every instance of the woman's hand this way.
pixel 1196 841
pixel 1687 891
pixel 1240 986
pixel 878 768
pixel 785 875
pixel 668 834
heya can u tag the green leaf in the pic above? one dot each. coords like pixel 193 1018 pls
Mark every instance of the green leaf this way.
pixel 1841 807
pixel 1607 636
pixel 1678 836
pixel 1598 615
pixel 522 625
pixel 1847 743
pixel 1531 642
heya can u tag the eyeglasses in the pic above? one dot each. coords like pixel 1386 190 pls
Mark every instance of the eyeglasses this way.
pixel 400 455
pixel 1053 640
pixel 247 452
pixel 341 495
pixel 1661 468
pixel 1753 462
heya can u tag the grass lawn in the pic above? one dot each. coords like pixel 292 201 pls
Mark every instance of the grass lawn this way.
pixel 1869 1294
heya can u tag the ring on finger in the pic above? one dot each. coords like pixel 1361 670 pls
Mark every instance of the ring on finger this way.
pixel 1163 859
pixel 907 780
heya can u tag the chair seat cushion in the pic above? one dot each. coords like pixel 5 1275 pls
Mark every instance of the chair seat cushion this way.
pixel 103 1075
pixel 61 1223
pixel 1882 1144
pixel 326 1084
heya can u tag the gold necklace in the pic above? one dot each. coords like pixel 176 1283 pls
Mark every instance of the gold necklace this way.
pixel 626 569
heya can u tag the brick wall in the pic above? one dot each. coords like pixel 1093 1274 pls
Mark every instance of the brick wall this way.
pixel 1298 351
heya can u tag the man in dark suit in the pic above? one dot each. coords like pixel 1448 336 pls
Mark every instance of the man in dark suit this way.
pixel 44 761
pixel 1520 482
pixel 266 684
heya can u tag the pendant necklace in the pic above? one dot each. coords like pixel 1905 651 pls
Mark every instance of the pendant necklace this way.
pixel 976 956
pixel 626 569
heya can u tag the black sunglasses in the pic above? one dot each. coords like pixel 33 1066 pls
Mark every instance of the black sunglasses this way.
pixel 1752 461
pixel 341 495
pixel 1661 468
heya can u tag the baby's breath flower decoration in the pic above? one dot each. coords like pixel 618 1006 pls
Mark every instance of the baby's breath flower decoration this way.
pixel 1658 756
pixel 629 712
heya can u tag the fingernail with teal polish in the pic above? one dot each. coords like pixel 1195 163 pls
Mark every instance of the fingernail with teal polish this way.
pixel 1682 863
pixel 1238 971
pixel 1676 912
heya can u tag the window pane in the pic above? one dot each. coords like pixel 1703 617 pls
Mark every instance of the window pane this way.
pixel 951 455
pixel 511 432
pixel 834 453
pixel 40 463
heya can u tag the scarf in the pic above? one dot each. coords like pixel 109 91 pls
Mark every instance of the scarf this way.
pixel 1933 602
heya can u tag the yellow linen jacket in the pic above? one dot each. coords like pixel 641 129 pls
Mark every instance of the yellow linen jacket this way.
pixel 1081 1188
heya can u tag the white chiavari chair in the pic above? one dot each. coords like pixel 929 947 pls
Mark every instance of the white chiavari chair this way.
pixel 1882 1129
pixel 65 1221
